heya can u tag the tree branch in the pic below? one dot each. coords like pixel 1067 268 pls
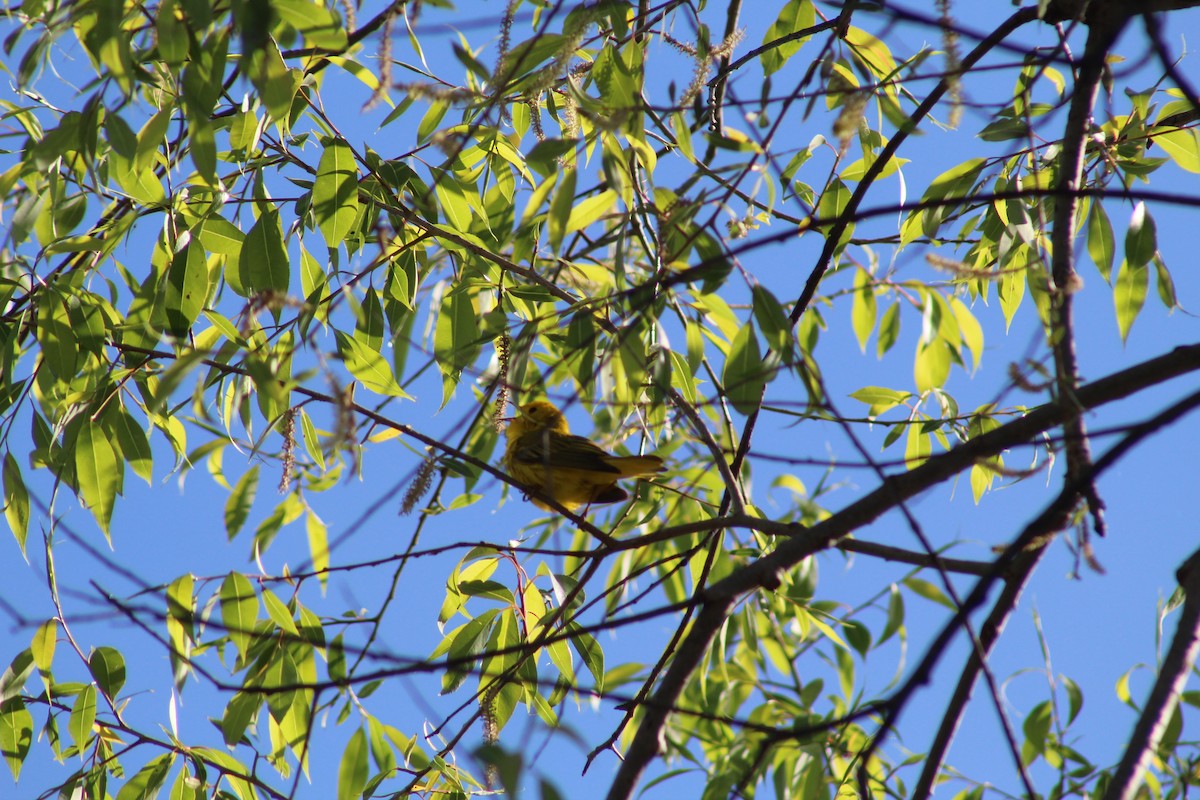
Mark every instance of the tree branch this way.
pixel 1164 697
pixel 720 598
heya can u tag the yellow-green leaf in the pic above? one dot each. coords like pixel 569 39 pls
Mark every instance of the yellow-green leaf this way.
pixel 796 16
pixel 318 546
pixel 44 641
pixel 1183 146
pixel 862 308
pixel 241 499
pixel 320 26
pixel 969 329
pixel 264 263
pixel 590 210
pixel 239 610
pixel 931 367
pixel 335 192
pixel 16 500
pixel 186 288
pixel 1141 238
pixel 916 447
pixel 107 666
pixel 1129 295
pixel 352 772
pixel 276 83
pixel 561 207
pixel 97 470
pixel 1100 241
pixel 743 377
pixel 83 716
pixel 880 398
pixel 368 366
pixel 16 734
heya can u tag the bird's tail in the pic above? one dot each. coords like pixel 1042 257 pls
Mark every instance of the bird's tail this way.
pixel 634 466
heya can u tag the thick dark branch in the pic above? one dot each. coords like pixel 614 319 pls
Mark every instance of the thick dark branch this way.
pixel 1164 697
pixel 989 634
pixel 1035 536
pixel 720 598
pixel 1062 237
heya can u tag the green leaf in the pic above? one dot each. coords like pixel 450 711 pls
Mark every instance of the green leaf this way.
pixel 312 441
pixel 1141 238
pixel 276 83
pixel 335 191
pixel 318 546
pixel 1011 291
pixel 97 468
pixel 108 668
pixel 146 784
pixel 44 641
pixel 743 377
pixel 1100 242
pixel 954 183
pixel 171 34
pixel 889 329
pixel 969 329
pixel 319 26
pixel 1129 295
pixel 924 588
pixel 368 366
pixel 1164 284
pixel 619 86
pixel 16 734
pixel 133 443
pixel 880 398
pixel 16 500
pixel 14 677
pixel 457 337
pixel 931 367
pixel 862 309
pixel 895 615
pixel 241 499
pixel 916 447
pixel 352 772
pixel 796 16
pixel 83 716
pixel 55 336
pixel 239 610
pixel 1037 726
pixel 545 156
pixel 590 210
pixel 1183 146
pixel 560 207
pixel 180 626
pixel 239 712
pixel 186 289
pixel 263 265
pixel 772 320
pixel 454 197
pixel 463 644
pixel 218 235
pixel 369 324
pixel 279 613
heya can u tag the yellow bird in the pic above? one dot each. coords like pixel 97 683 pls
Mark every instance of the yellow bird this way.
pixel 543 455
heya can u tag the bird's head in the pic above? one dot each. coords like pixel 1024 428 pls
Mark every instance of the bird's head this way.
pixel 537 415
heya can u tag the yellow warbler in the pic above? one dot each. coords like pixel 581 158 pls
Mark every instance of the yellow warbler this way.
pixel 543 455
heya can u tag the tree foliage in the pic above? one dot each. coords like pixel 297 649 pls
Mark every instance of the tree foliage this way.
pixel 681 234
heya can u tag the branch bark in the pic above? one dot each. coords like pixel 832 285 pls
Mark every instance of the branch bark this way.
pixel 1164 697
pixel 721 597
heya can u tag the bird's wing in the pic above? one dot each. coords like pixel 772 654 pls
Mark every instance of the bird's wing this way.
pixel 563 451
